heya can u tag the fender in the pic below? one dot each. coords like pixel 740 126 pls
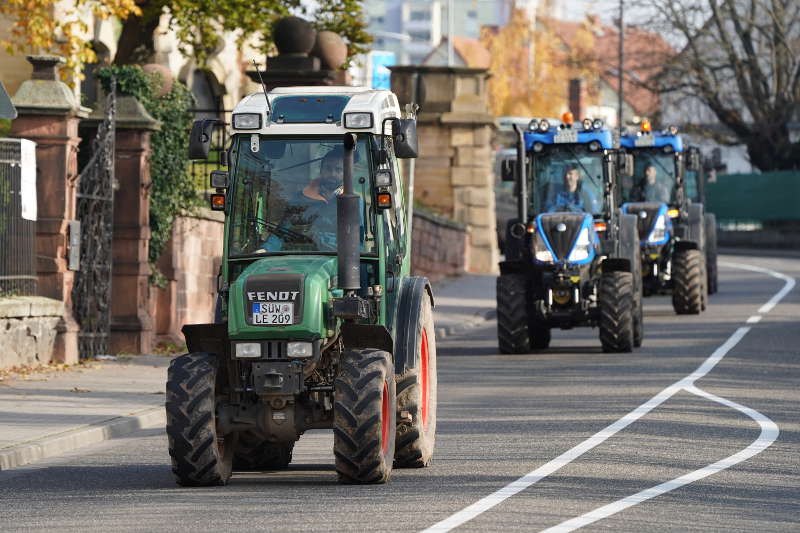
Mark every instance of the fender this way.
pixel 412 290
pixel 212 338
pixel 616 264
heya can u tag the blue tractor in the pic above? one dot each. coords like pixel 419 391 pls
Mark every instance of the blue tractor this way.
pixel 572 258
pixel 674 230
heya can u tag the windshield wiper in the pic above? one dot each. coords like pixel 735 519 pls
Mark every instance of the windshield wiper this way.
pixel 585 170
pixel 659 163
pixel 282 232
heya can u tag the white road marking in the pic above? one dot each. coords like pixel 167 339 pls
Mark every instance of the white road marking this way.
pixel 769 433
pixel 687 383
pixel 755 319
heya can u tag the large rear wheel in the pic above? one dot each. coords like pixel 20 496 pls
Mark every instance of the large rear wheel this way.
pixel 711 252
pixel 200 455
pixel 616 301
pixel 513 335
pixel 364 423
pixel 688 282
pixel 416 397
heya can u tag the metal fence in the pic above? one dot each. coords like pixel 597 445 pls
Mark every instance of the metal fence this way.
pixel 17 218
pixel 200 170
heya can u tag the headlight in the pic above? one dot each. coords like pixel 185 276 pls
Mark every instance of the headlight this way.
pixel 246 121
pixel 544 125
pixel 580 251
pixel 299 349
pixel 659 232
pixel 248 349
pixel 540 251
pixel 358 120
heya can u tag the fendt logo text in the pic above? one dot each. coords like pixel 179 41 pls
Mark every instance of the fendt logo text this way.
pixel 272 296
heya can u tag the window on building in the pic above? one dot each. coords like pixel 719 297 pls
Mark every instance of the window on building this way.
pixel 421 15
pixel 420 35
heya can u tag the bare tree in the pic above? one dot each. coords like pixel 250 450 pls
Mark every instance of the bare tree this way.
pixel 741 60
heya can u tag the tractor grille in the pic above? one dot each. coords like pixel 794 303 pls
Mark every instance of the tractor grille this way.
pixel 644 222
pixel 561 241
pixel 273 350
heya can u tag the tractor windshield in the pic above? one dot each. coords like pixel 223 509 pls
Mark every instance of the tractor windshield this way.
pixel 568 178
pixel 654 177
pixel 284 194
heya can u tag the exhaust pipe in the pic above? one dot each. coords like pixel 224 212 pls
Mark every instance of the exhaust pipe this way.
pixel 348 224
pixel 522 182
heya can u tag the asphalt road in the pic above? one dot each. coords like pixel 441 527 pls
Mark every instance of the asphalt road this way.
pixel 502 418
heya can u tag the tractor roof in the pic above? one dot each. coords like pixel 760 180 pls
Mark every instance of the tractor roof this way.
pixel 655 139
pixel 569 134
pixel 318 110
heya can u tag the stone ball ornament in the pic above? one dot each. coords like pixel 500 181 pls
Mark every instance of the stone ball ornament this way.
pixel 331 49
pixel 294 35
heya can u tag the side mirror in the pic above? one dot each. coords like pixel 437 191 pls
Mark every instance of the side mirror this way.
pixel 693 159
pixel 507 169
pixel 219 179
pixel 200 138
pixel 404 138
pixel 628 165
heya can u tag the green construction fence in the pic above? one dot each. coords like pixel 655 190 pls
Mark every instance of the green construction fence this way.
pixel 767 199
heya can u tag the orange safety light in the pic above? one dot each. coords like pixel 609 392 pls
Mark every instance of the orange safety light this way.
pixel 646 126
pixel 384 200
pixel 217 202
pixel 567 118
pixel 600 226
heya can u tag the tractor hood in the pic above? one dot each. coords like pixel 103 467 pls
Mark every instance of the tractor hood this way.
pixel 282 297
pixel 653 222
pixel 570 237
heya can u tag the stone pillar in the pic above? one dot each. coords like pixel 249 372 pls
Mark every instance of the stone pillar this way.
pixel 454 171
pixel 49 115
pixel 131 322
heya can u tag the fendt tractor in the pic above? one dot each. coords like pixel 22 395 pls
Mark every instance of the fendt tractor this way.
pixel 320 324
pixel 572 258
pixel 678 238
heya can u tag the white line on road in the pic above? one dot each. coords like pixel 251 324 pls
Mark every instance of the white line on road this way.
pixel 687 383
pixel 769 433
pixel 755 319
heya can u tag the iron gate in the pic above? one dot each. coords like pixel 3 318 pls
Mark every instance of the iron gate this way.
pixel 17 228
pixel 91 295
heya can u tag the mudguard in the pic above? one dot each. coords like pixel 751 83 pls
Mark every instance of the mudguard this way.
pixel 412 290
pixel 628 247
pixel 212 338
pixel 695 228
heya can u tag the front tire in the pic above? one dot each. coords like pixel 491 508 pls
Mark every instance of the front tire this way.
pixel 364 424
pixel 711 252
pixel 513 335
pixel 416 398
pixel 616 301
pixel 688 283
pixel 200 455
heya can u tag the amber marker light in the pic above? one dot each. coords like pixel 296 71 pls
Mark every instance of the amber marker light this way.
pixel 646 126
pixel 218 202
pixel 384 200
pixel 673 213
pixel 600 226
pixel 567 118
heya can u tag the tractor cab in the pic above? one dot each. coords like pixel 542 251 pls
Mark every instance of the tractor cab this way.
pixel 568 244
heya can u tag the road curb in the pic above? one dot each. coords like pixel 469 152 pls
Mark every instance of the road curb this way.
pixel 475 321
pixel 67 441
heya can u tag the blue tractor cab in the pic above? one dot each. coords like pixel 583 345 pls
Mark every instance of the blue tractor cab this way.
pixel 672 224
pixel 572 258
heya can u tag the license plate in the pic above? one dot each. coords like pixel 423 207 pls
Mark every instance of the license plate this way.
pixel 566 136
pixel 273 314
pixel 644 140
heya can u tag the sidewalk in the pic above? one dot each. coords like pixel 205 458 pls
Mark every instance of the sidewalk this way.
pixel 46 415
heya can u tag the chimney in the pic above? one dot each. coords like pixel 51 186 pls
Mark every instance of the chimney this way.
pixel 576 99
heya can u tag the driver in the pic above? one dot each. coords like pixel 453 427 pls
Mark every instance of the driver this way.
pixel 574 197
pixel 313 212
pixel 654 190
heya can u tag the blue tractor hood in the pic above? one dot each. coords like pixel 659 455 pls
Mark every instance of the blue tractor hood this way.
pixel 655 139
pixel 565 233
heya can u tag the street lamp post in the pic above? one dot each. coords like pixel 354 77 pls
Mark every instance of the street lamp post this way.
pixel 620 77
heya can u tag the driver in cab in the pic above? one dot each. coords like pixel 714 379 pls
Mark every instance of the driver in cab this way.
pixel 574 197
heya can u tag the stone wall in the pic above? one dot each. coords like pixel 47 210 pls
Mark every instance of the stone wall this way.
pixel 28 330
pixel 190 263
pixel 439 247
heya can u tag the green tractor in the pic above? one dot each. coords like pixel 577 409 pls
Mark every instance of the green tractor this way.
pixel 571 257
pixel 319 323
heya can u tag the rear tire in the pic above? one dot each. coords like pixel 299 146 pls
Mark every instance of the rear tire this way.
pixel 364 424
pixel 253 452
pixel 200 456
pixel 416 398
pixel 688 283
pixel 638 309
pixel 616 301
pixel 513 335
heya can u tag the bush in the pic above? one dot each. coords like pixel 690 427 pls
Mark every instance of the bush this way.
pixel 173 192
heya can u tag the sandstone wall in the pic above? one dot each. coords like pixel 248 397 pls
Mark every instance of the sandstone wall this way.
pixel 439 247
pixel 28 330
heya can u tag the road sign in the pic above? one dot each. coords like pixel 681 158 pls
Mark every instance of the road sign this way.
pixel 379 61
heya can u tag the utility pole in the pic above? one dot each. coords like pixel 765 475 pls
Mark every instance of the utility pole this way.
pixel 620 77
pixel 450 24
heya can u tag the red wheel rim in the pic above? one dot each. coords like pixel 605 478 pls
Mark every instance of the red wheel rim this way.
pixel 385 419
pixel 423 367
